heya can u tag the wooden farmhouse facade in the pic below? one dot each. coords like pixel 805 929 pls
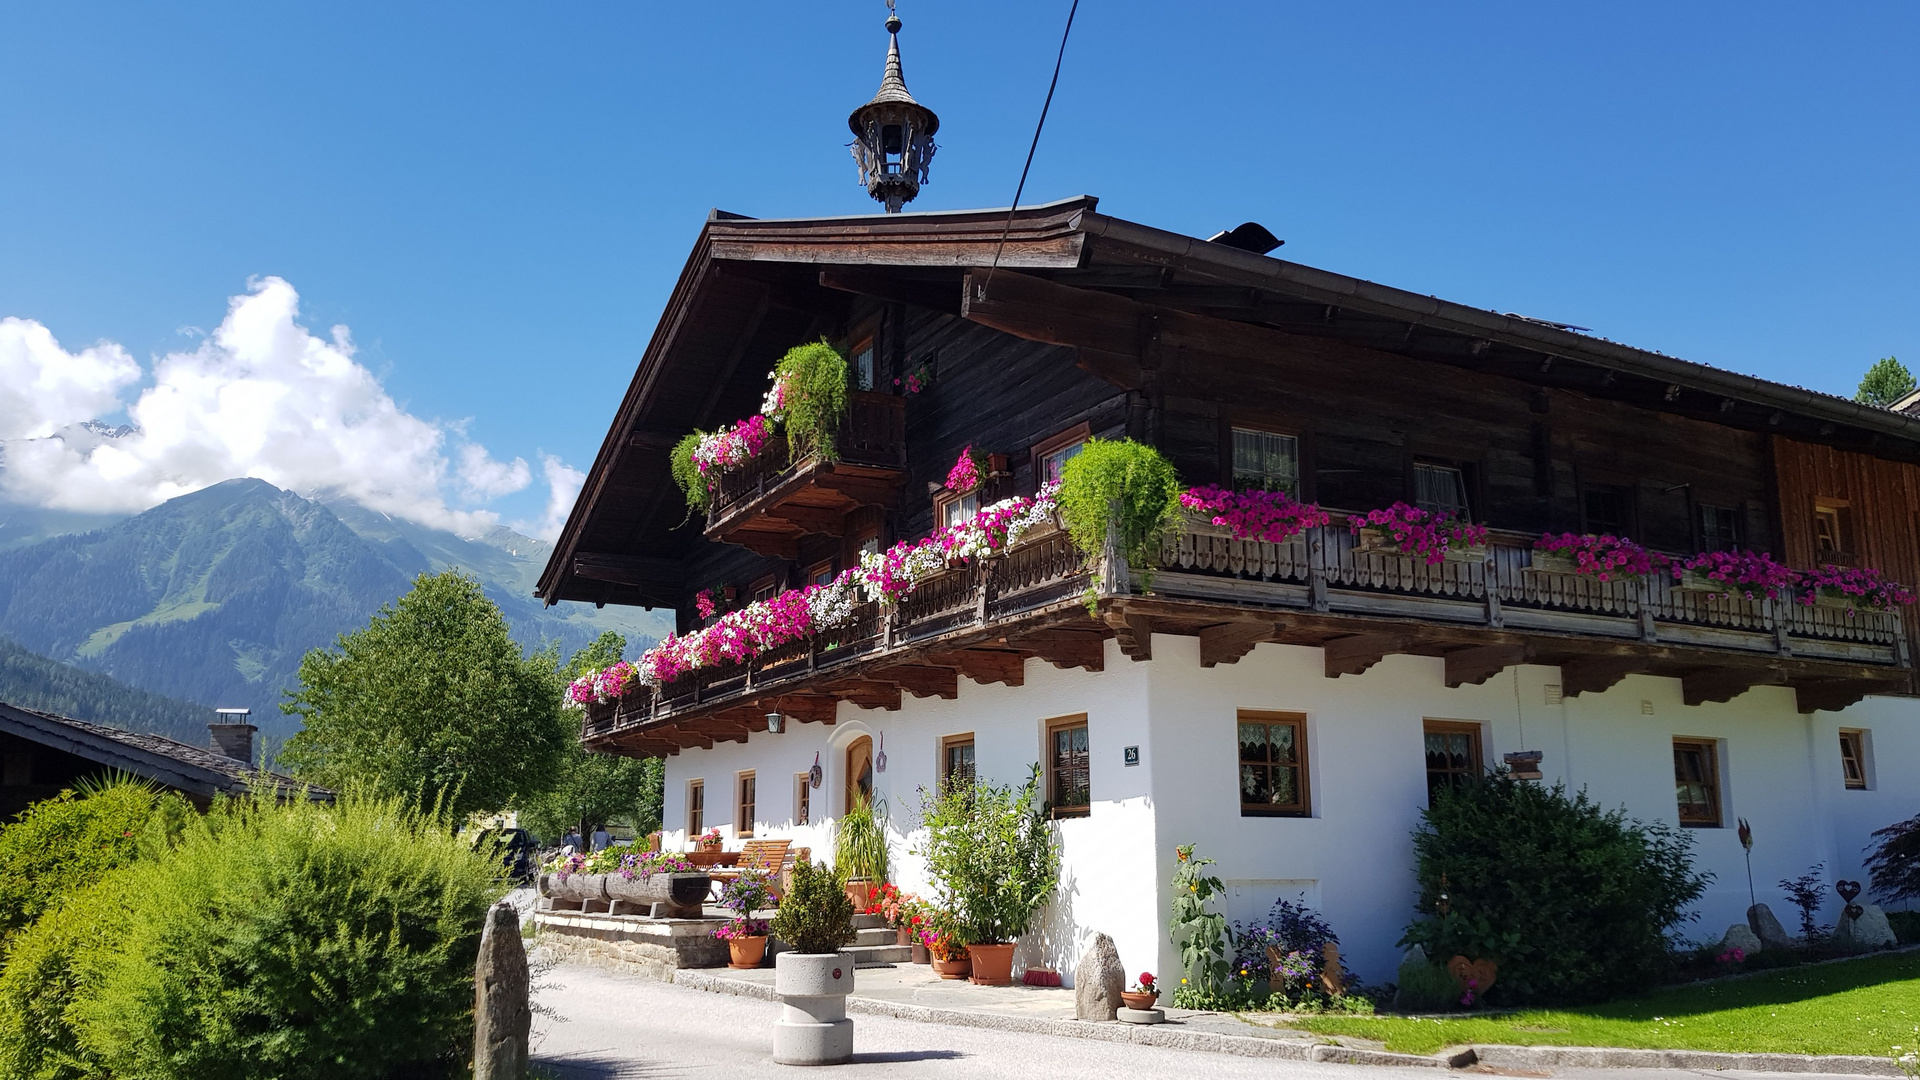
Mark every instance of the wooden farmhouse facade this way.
pixel 1331 687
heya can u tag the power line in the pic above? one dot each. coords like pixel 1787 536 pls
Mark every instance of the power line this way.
pixel 1035 145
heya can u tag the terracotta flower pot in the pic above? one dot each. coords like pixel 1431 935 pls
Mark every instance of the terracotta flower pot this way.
pixel 992 964
pixel 901 937
pixel 921 954
pixel 860 892
pixel 1140 1000
pixel 953 969
pixel 746 952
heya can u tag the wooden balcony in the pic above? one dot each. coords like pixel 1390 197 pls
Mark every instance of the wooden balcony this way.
pixel 774 501
pixel 985 620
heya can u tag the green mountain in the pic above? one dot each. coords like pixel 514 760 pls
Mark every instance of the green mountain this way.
pixel 35 682
pixel 215 596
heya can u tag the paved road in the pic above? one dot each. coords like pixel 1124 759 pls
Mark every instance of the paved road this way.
pixel 603 1025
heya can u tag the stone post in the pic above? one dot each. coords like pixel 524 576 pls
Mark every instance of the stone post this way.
pixel 502 1013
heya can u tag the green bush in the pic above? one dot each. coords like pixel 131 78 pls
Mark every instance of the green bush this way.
pixel 1423 986
pixel 1140 479
pixel 687 474
pixel 66 842
pixel 1906 926
pixel 1573 902
pixel 816 376
pixel 1893 867
pixel 992 855
pixel 270 940
pixel 815 916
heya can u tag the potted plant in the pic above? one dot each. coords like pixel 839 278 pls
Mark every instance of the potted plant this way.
pixel 746 936
pixel 1401 529
pixel 860 850
pixel 993 856
pixel 1144 993
pixel 896 908
pixel 815 974
pixel 946 942
pixel 710 840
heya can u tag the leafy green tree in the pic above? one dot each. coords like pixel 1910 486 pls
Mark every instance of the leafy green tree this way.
pixel 1887 382
pixel 589 787
pixel 432 702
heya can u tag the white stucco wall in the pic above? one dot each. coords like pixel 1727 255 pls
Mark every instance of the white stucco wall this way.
pixel 1352 858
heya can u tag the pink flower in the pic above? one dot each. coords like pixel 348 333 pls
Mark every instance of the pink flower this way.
pixel 1270 516
pixel 1421 532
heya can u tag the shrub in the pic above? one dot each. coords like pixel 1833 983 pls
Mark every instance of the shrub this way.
pixel 1894 863
pixel 815 916
pixel 46 965
pixel 687 474
pixel 1906 926
pixel 860 842
pixel 812 381
pixel 1573 901
pixel 991 853
pixel 66 842
pixel 1424 986
pixel 1139 478
pixel 271 940
pixel 1298 933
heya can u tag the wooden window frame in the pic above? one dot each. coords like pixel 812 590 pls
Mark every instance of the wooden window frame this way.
pixel 1303 807
pixel 746 808
pixel 944 767
pixel 1053 444
pixel 1853 745
pixel 948 498
pixel 867 337
pixel 802 799
pixel 1299 452
pixel 1845 538
pixel 1699 510
pixel 1630 497
pixel 1430 726
pixel 1716 796
pixel 763 587
pixel 1469 481
pixel 1065 723
pixel 696 809
pixel 825 567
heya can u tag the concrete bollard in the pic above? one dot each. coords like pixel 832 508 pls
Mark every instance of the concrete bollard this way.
pixel 502 1013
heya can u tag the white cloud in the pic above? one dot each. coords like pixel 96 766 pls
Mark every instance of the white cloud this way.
pixel 261 396
pixel 563 487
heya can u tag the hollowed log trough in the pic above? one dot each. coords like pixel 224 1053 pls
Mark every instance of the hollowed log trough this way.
pixel 659 896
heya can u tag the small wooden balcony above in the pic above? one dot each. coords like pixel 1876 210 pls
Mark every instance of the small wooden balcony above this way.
pixel 771 503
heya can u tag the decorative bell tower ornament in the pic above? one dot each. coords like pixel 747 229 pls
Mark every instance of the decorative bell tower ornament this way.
pixel 893 134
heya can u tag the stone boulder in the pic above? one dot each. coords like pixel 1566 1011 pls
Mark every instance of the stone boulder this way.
pixel 1870 931
pixel 1767 928
pixel 502 1009
pixel 1741 936
pixel 1098 981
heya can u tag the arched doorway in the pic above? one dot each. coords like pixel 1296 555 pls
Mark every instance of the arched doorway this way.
pixel 859 772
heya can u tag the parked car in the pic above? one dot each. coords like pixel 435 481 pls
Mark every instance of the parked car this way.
pixel 518 851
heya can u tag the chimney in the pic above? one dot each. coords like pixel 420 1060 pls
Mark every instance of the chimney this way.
pixel 233 734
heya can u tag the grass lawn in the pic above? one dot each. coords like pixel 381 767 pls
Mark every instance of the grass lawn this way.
pixel 1864 1006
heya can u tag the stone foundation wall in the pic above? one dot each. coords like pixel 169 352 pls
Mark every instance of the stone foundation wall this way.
pixel 654 947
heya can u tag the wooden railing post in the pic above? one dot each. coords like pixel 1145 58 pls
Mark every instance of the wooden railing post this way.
pixel 1317 569
pixel 1645 590
pixel 1780 617
pixel 1116 578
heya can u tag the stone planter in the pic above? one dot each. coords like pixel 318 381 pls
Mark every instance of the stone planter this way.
pixel 746 952
pixel 992 964
pixel 957 968
pixel 813 1028
pixel 665 896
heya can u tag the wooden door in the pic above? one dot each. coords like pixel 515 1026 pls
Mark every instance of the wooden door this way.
pixel 859 771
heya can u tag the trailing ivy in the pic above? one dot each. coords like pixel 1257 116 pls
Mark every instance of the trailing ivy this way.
pixel 687 474
pixel 1139 478
pixel 812 382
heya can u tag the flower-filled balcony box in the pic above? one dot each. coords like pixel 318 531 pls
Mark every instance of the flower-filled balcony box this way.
pixel 1419 534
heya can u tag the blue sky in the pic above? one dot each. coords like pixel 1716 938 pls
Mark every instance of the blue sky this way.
pixel 496 198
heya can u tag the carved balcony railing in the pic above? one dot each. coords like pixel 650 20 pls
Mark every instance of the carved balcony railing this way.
pixel 772 499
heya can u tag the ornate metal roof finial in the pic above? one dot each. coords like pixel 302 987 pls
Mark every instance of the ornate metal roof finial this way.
pixel 893 134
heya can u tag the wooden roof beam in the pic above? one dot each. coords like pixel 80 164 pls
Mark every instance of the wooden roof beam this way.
pixel 1227 642
pixel 1065 648
pixel 1355 653
pixel 984 665
pixel 921 680
pixel 1478 663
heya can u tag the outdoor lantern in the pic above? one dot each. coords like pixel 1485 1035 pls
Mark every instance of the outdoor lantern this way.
pixel 893 134
pixel 776 723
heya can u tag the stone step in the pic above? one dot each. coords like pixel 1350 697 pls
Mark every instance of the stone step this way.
pixel 875 936
pixel 869 922
pixel 880 955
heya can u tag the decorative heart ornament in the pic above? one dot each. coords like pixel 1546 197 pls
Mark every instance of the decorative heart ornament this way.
pixel 1848 890
pixel 1474 975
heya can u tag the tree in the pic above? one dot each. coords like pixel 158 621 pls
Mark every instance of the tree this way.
pixel 1887 382
pixel 432 701
pixel 590 787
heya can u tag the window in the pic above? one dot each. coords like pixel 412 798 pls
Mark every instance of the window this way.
pixel 867 545
pixel 821 573
pixel 1453 756
pixel 1273 764
pixel 863 365
pixel 1068 789
pixel 956 759
pixel 744 810
pixel 1051 456
pixel 696 808
pixel 1266 460
pixel 951 509
pixel 1440 489
pixel 1696 782
pixel 1608 509
pixel 1719 527
pixel 1832 528
pixel 1853 758
pixel 802 798
pixel 762 589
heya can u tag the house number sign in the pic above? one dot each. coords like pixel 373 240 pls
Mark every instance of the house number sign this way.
pixel 1132 754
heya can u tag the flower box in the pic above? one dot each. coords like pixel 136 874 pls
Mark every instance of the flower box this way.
pixel 713 858
pixel 1553 562
pixel 1376 542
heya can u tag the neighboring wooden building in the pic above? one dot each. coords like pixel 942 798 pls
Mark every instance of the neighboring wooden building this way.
pixel 1361 679
pixel 42 755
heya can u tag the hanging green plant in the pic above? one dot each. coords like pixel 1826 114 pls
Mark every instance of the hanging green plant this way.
pixel 1135 475
pixel 686 474
pixel 809 398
